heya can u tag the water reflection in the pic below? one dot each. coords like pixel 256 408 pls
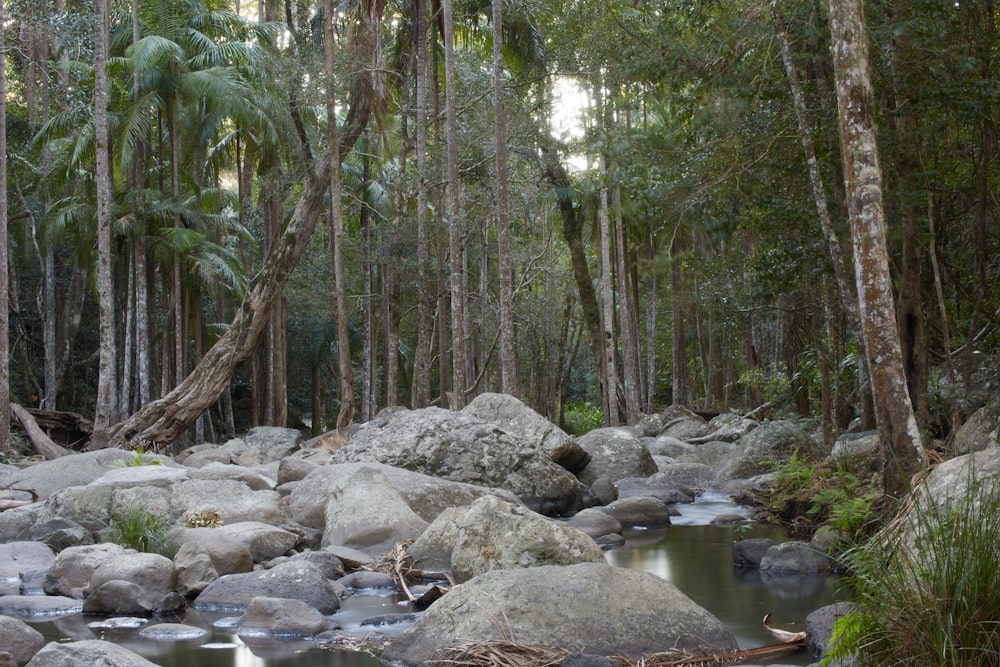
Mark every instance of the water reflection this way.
pixel 697 558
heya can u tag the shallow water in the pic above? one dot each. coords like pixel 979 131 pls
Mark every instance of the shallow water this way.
pixel 693 555
pixel 697 558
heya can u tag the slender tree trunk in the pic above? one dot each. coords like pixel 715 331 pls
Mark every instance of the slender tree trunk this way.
pixel 572 230
pixel 899 438
pixel 104 416
pixel 459 382
pixel 421 390
pixel 681 379
pixel 346 372
pixel 508 351
pixel 4 275
pixel 630 354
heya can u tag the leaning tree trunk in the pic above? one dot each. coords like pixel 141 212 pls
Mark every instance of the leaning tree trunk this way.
pixel 899 438
pixel 164 420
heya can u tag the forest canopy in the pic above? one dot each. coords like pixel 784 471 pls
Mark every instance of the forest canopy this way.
pixel 688 242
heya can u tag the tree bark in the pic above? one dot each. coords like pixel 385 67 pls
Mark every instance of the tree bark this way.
pixel 899 438
pixel 346 413
pixel 164 420
pixel 106 384
pixel 4 276
pixel 508 352
pixel 421 390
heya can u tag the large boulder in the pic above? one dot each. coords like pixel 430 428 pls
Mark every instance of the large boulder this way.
pixel 367 513
pixel 766 447
pixel 261 540
pixel 424 496
pixel 462 448
pixel 132 583
pixel 513 416
pixel 47 477
pixel 70 573
pixel 19 640
pixel 87 653
pixel 294 580
pixel 615 453
pixel 20 558
pixel 588 607
pixel 168 492
pixel 278 617
pixel 981 431
pixel 494 535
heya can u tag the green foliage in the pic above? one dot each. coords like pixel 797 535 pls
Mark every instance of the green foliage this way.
pixel 810 495
pixel 137 527
pixel 932 600
pixel 774 385
pixel 581 417
pixel 138 459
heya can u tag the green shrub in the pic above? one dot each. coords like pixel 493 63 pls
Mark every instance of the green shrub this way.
pixel 137 527
pixel 930 597
pixel 580 417
pixel 138 459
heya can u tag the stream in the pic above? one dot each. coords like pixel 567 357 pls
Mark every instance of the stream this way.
pixel 692 554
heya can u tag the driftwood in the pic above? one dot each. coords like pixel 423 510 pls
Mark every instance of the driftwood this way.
pixel 398 564
pixel 42 443
pixel 13 503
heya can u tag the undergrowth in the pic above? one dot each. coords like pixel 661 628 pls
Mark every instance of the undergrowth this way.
pixel 929 595
pixel 137 527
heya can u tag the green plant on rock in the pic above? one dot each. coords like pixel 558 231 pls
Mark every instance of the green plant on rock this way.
pixel 930 595
pixel 138 459
pixel 135 526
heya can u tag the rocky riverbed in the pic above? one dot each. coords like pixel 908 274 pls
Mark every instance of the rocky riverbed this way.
pixel 494 504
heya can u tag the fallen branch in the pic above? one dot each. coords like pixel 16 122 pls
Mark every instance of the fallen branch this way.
pixel 40 441
pixel 13 503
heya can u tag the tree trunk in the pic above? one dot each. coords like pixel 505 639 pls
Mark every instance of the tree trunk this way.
pixel 4 277
pixel 681 378
pixel 104 416
pixel 164 420
pixel 572 229
pixel 898 435
pixel 629 325
pixel 508 351
pixel 346 372
pixel 421 390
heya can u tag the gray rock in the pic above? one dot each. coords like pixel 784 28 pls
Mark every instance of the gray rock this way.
pixel 294 468
pixel 793 557
pixel 366 512
pixel 980 431
pixel 71 570
pixel 615 453
pixel 366 580
pixel 513 416
pixel 427 496
pixel 153 575
pixel 494 535
pixel 683 424
pixel 729 429
pixel 87 653
pixel 713 453
pixel 19 558
pixel 595 522
pixel 59 533
pixel 767 446
pixel 854 446
pixel 219 471
pixel 639 512
pixel 234 501
pixel 296 581
pixel 432 549
pixel 819 625
pixel 658 486
pixel 19 639
pixel 669 446
pixel 16 524
pixel 459 447
pixel 268 443
pixel 38 606
pixel 172 632
pixel 262 541
pixel 276 617
pixel 694 478
pixel 47 477
pixel 748 553
pixel 591 607
pixel 329 564
pixel 195 570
